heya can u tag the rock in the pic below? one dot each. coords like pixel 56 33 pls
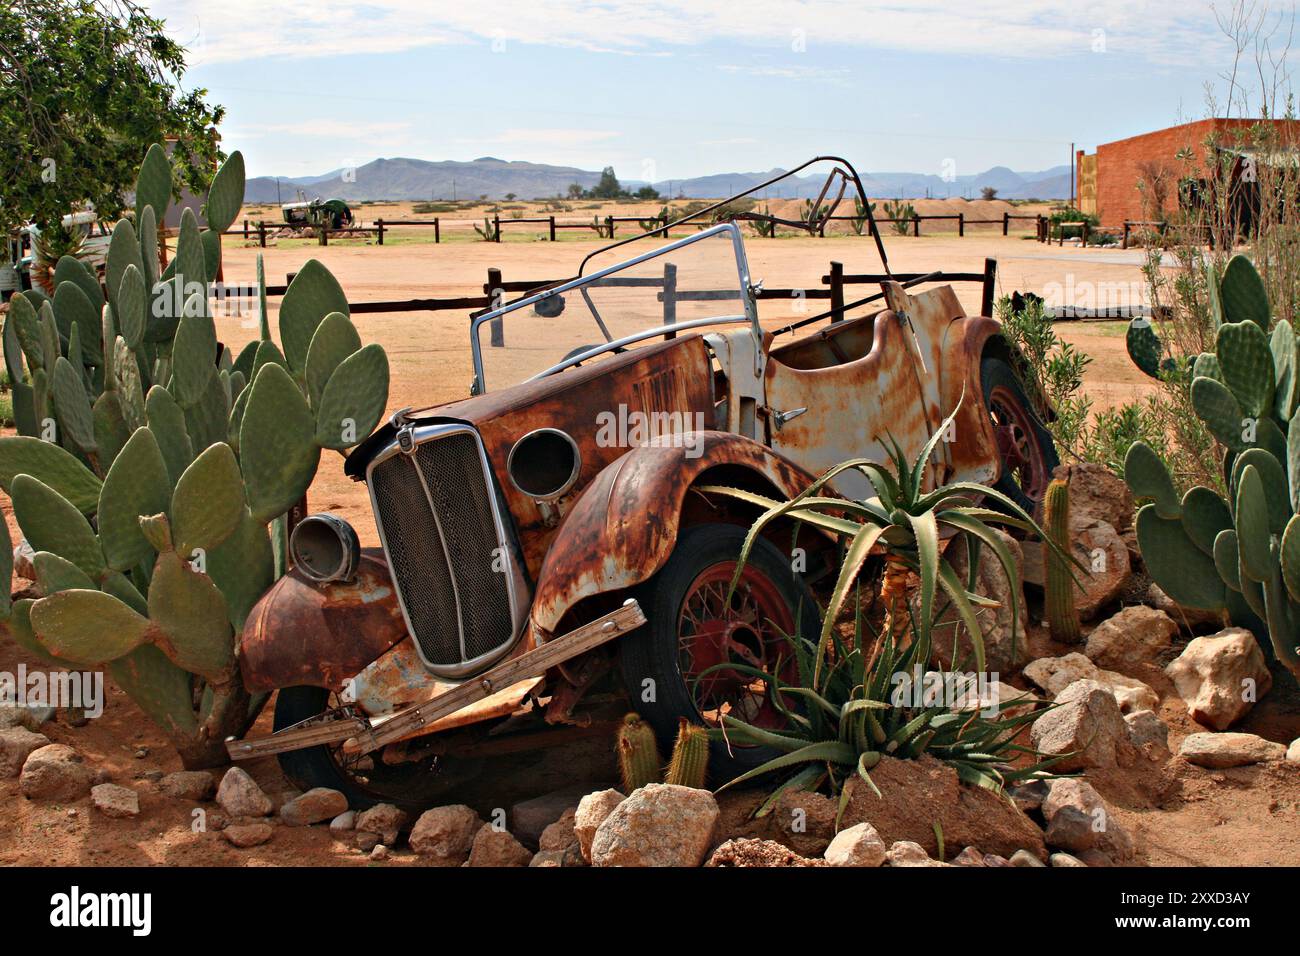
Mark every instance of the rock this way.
pixel 189 785
pixel 528 818
pixel 314 806
pixel 1220 677
pixel 32 718
pixel 114 801
pixel 1097 493
pixel 1223 750
pixel 379 852
pixel 1149 734
pixel 916 794
pixel 1025 858
pixel 384 820
pixel 1136 635
pixel 968 857
pixel 1095 858
pixel 364 840
pixel 1028 796
pixel 244 835
pixel 560 835
pixel 344 823
pixel 992 859
pixel 859 845
pixel 1188 618
pixel 950 637
pixel 240 796
pixel 806 821
pixel 1078 820
pixel 1293 752
pixel 55 772
pixel 493 847
pixel 1054 674
pixel 16 744
pixel 1087 725
pixel 590 814
pixel 569 856
pixel 23 566
pixel 909 853
pixel 1064 860
pixel 445 835
pixel 660 824
pixel 1104 555
pixel 749 852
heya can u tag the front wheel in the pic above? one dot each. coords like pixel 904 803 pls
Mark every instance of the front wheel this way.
pixel 694 624
pixel 1025 447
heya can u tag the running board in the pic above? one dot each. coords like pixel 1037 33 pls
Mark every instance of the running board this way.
pixel 360 736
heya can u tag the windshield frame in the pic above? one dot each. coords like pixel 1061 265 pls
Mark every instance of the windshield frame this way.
pixel 750 316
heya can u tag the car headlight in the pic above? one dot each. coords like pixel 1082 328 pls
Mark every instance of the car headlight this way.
pixel 544 464
pixel 325 548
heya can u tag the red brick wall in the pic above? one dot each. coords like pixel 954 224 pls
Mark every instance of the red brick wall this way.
pixel 1118 166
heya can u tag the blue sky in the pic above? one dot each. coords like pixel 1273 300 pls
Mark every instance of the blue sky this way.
pixel 664 89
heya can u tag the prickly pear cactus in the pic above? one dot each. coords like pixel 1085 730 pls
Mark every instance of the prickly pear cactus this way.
pixel 152 471
pixel 1240 555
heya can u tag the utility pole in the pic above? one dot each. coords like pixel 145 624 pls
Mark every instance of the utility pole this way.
pixel 1073 201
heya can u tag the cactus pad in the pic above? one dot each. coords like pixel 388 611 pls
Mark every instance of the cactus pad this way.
pixel 1246 363
pixel 1253 525
pixel 1148 477
pixel 137 484
pixel 226 195
pixel 313 294
pixel 1219 409
pixel 1183 571
pixel 68 392
pixel 56 467
pixel 353 400
pixel 190 614
pixel 277 445
pixel 1205 514
pixel 167 422
pixel 1242 294
pixel 52 523
pixel 1144 346
pixel 208 502
pixel 90 627
pixel 336 338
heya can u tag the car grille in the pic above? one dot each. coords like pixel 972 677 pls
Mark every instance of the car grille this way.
pixel 435 511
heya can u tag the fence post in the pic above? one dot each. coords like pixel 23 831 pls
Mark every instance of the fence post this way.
pixel 261 233
pixel 609 226
pixel 245 229
pixel 1006 222
pixel 380 224
pixel 324 235
pixel 1085 234
pixel 494 286
pixel 552 228
pixel 916 226
pixel 437 230
pixel 837 291
pixel 961 225
pixel 990 287
pixel 670 297
pixel 496 226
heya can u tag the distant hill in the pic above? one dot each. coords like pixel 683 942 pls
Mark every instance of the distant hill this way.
pixel 403 178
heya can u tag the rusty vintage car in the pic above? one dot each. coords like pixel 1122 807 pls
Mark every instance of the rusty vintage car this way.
pixel 517 523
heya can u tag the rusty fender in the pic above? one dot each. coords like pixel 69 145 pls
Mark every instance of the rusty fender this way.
pixel 303 633
pixel 623 527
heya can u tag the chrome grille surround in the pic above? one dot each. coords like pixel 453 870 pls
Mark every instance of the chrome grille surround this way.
pixel 434 515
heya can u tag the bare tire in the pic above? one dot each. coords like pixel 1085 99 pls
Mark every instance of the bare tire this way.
pixel 1025 447
pixel 692 626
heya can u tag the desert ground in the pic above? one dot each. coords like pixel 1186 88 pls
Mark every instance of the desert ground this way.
pixel 1182 814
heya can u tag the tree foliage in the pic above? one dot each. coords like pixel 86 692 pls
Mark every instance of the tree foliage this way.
pixel 82 84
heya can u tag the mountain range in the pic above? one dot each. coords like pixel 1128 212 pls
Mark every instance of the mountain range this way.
pixel 402 178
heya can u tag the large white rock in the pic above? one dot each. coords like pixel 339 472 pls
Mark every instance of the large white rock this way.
pixel 660 824
pixel 1220 677
pixel 1219 751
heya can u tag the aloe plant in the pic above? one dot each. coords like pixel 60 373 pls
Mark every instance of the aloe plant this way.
pixel 848 721
pixel 153 471
pixel 1238 554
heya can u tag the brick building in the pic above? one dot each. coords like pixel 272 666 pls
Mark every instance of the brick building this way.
pixel 1108 179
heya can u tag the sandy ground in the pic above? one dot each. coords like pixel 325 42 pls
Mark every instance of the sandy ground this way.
pixel 1184 815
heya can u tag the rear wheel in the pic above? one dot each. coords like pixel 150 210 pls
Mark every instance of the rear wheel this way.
pixel 671 665
pixel 1025 447
pixel 365 780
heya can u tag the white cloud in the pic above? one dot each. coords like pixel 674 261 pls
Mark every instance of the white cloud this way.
pixel 1033 29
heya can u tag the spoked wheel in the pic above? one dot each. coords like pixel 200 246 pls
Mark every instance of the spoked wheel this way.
pixel 364 779
pixel 748 628
pixel 1025 447
pixel 676 665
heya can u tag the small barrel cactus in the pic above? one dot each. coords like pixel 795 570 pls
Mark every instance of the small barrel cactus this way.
pixel 639 762
pixel 1062 619
pixel 689 766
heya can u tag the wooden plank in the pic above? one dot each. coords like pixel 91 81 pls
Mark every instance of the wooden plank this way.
pixel 362 737
pixel 533 664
